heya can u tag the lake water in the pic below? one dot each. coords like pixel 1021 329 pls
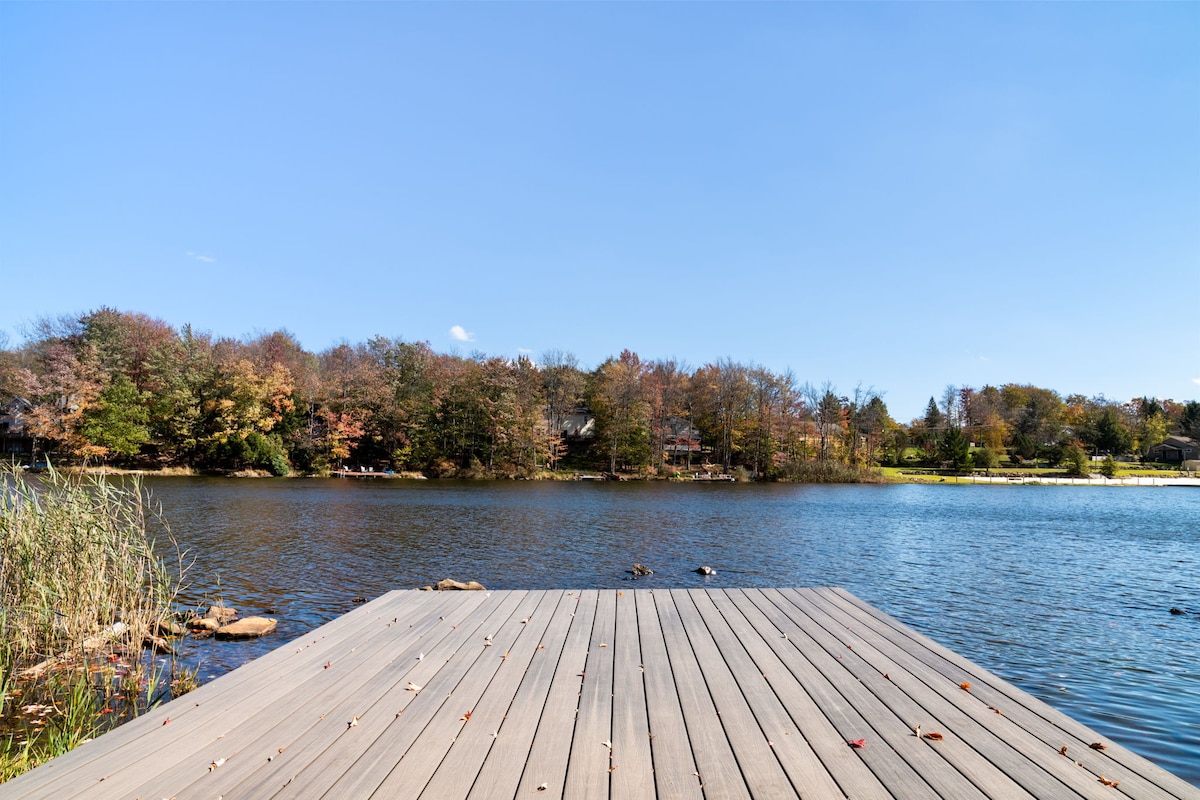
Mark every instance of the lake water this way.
pixel 1064 591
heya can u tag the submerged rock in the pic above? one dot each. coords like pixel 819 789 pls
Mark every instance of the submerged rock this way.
pixel 449 585
pixel 706 571
pixel 248 628
pixel 640 571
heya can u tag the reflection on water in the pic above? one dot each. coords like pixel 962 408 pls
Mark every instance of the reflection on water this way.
pixel 1065 591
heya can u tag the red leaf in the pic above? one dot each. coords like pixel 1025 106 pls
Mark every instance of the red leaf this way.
pixel 858 742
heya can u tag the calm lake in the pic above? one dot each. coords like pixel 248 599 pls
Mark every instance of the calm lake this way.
pixel 1065 591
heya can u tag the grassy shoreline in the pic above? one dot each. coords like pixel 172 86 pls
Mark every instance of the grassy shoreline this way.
pixel 83 587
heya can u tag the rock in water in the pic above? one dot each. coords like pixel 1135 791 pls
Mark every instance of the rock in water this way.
pixel 706 571
pixel 222 613
pixel 446 585
pixel 159 645
pixel 640 571
pixel 248 628
pixel 204 624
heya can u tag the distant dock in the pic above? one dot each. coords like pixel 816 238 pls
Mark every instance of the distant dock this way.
pixel 698 693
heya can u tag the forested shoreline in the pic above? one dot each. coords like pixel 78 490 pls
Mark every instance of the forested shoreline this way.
pixel 125 389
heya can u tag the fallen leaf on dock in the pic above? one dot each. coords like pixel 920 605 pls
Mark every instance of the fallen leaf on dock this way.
pixel 1107 782
pixel 543 787
pixel 934 736
pixel 1098 746
pixel 998 711
pixel 858 742
pixel 412 687
pixel 607 743
pixel 1062 751
pixel 465 717
pixel 352 723
pixel 216 764
pixel 965 686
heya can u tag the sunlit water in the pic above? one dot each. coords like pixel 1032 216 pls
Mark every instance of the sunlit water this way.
pixel 1065 591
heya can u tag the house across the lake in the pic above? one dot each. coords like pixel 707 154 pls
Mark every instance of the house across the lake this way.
pixel 15 442
pixel 1174 450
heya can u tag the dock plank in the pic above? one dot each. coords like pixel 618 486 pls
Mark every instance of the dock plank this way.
pixel 701 693
pixel 717 766
pixel 501 771
pixel 675 771
pixel 997 741
pixel 546 768
pixel 763 774
pixel 256 742
pixel 769 648
pixel 632 774
pixel 1025 723
pixel 588 767
pixel 782 735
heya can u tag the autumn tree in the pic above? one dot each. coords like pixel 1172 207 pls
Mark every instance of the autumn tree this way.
pixel 62 389
pixel 721 399
pixel 562 387
pixel 667 391
pixel 116 425
pixel 829 416
pixel 616 398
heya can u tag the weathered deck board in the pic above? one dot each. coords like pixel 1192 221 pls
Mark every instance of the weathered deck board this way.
pixel 738 693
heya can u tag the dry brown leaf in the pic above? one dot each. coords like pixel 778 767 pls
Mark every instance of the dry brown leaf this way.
pixel 1062 751
pixel 965 686
pixel 1098 746
pixel 934 736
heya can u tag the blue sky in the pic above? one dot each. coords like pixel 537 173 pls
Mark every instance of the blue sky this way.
pixel 897 195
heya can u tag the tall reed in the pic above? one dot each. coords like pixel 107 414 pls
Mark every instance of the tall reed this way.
pixel 82 587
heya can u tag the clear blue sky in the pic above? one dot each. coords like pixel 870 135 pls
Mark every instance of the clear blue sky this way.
pixel 902 195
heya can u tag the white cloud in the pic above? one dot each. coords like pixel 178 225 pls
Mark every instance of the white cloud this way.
pixel 1196 381
pixel 460 334
pixel 525 351
pixel 199 257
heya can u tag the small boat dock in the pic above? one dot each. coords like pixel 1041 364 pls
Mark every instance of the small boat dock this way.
pixel 696 693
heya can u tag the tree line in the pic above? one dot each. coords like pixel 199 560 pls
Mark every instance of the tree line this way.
pixel 127 389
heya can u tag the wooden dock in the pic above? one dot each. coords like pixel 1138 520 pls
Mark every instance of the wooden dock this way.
pixel 722 693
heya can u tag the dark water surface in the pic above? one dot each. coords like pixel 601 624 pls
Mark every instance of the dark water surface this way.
pixel 1065 591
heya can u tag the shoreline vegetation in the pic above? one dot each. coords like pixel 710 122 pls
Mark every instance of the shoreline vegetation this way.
pixel 87 607
pixel 124 390
pixel 879 475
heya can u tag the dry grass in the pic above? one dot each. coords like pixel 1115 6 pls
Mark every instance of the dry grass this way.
pixel 82 586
